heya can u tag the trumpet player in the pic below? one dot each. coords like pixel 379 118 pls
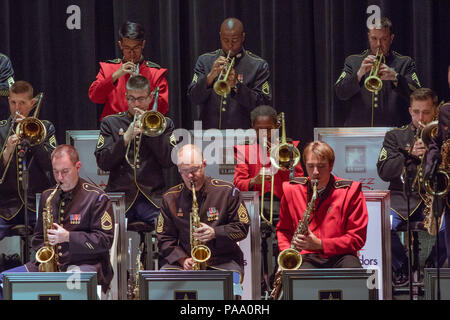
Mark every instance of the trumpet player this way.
pixel 402 152
pixel 83 222
pixel 223 216
pixel 15 155
pixel 248 81
pixel 135 161
pixel 338 224
pixel 388 106
pixel 109 87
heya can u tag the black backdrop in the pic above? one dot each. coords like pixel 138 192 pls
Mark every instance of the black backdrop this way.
pixel 304 41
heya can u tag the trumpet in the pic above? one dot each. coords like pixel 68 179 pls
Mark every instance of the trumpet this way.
pixel 152 124
pixel 30 129
pixel 373 83
pixel 221 86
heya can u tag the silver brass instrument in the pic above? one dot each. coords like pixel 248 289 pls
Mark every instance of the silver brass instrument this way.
pixel 290 258
pixel 152 123
pixel 373 83
pixel 31 129
pixel 221 86
pixel 200 253
pixel 46 254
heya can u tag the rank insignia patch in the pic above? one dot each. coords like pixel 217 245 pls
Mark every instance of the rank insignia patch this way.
pixel 266 88
pixel 100 142
pixel 212 214
pixel 180 212
pixel 383 155
pixel 415 78
pixel 106 221
pixel 160 226
pixel 243 214
pixel 75 218
pixel 240 78
pixel 194 80
pixel 342 76
pixel 52 141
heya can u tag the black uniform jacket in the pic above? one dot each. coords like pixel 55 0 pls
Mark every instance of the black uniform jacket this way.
pixel 87 214
pixel 252 90
pixel 392 102
pixel 40 174
pixel 221 207
pixel 391 165
pixel 154 155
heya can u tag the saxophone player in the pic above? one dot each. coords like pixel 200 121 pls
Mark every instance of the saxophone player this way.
pixel 83 221
pixel 398 144
pixel 224 219
pixel 338 223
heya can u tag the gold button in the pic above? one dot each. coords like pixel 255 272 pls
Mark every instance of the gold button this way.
pixel 20 172
pixel 63 203
pixel 62 211
pixel 60 254
pixel 138 166
pixel 20 178
pixel 59 247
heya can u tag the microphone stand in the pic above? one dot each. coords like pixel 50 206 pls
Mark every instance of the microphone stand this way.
pixel 437 211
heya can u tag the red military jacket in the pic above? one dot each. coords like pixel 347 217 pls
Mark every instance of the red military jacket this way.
pixel 249 164
pixel 340 217
pixel 112 95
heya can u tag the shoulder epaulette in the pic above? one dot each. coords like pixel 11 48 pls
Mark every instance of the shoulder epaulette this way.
pixel 175 189
pixel 361 54
pixel 221 183
pixel 120 114
pixel 151 64
pixel 401 128
pixel 342 184
pixel 116 61
pixel 253 56
pixel 399 55
pixel 3 123
pixel 299 180
pixel 213 53
pixel 90 187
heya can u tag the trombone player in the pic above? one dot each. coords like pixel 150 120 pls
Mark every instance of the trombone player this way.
pixel 14 156
pixel 134 158
pixel 397 78
pixel 247 82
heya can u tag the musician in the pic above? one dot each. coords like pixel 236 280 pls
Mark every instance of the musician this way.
pixel 83 221
pixel 338 223
pixel 6 80
pixel 248 80
pixel 135 161
pixel 224 218
pixel 392 167
pixel 12 162
pixel 434 153
pixel 109 88
pixel 388 106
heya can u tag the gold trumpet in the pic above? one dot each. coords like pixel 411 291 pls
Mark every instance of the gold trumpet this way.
pixel 221 86
pixel 30 129
pixel 152 123
pixel 373 83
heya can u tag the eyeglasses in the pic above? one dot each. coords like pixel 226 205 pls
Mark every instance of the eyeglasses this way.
pixel 132 99
pixel 188 171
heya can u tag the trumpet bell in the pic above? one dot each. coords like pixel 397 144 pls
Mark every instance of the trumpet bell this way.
pixel 221 87
pixel 280 156
pixel 373 84
pixel 153 123
pixel 31 129
pixel 428 132
pixel 200 253
pixel 289 259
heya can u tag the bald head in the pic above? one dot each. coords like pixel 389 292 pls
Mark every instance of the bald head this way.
pixel 191 166
pixel 232 36
pixel 190 154
pixel 232 24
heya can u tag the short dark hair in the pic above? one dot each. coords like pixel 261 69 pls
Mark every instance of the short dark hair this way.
pixel 386 23
pixel 262 111
pixel 424 94
pixel 138 83
pixel 66 149
pixel 132 30
pixel 22 86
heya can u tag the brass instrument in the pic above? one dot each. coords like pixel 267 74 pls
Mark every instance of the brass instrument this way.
pixel 152 123
pixel 290 258
pixel 30 129
pixel 46 255
pixel 221 86
pixel 200 253
pixel 373 83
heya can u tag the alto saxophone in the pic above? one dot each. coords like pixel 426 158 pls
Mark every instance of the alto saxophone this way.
pixel 290 258
pixel 46 254
pixel 200 253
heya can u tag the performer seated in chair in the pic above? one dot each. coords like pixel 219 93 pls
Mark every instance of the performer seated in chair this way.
pixel 83 223
pixel 337 225
pixel 223 219
pixel 14 156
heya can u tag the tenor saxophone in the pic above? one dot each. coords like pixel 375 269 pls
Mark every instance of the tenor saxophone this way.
pixel 200 253
pixel 290 258
pixel 46 255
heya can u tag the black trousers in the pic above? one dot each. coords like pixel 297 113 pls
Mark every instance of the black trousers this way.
pixel 314 261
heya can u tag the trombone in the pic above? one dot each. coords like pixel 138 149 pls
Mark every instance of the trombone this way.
pixel 221 86
pixel 373 83
pixel 152 123
pixel 284 156
pixel 30 129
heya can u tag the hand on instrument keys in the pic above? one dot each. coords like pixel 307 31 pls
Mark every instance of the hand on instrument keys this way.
pixel 365 67
pixel 418 148
pixel 187 263
pixel 307 242
pixel 133 129
pixel 57 235
pixel 217 67
pixel 387 73
pixel 258 179
pixel 126 68
pixel 204 233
